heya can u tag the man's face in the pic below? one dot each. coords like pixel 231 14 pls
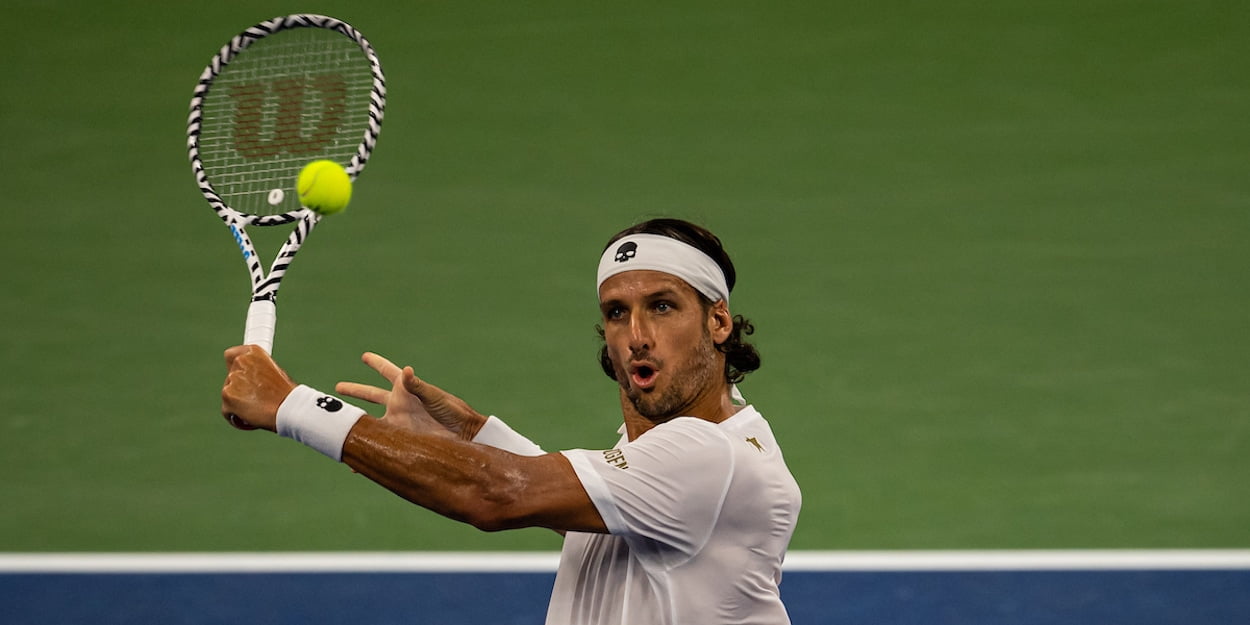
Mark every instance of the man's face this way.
pixel 661 341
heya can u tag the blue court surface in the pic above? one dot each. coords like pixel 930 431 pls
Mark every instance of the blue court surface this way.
pixel 968 588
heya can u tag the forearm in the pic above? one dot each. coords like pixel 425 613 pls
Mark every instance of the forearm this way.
pixel 413 452
pixel 488 488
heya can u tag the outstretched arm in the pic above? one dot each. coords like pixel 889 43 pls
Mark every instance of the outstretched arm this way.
pixel 412 453
pixel 488 488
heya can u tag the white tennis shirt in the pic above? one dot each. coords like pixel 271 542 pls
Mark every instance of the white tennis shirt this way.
pixel 700 515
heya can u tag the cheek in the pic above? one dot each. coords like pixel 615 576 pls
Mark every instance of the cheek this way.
pixel 616 347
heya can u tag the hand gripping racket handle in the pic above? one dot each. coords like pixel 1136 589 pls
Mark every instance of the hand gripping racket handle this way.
pixel 262 318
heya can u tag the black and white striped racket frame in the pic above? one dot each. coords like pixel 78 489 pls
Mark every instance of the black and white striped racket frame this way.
pixel 261 317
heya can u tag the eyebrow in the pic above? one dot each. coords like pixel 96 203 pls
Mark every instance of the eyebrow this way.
pixel 662 293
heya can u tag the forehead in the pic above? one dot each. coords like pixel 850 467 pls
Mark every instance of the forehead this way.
pixel 643 283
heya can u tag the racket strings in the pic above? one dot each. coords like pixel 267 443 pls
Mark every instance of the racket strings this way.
pixel 292 97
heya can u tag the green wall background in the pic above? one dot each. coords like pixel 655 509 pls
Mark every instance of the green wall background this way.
pixel 996 254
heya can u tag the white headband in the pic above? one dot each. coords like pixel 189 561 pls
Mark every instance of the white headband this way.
pixel 660 253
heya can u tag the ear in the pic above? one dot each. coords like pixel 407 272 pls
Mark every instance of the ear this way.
pixel 720 323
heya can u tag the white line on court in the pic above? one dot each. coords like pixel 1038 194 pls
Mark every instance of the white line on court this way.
pixel 305 562
pixel 544 562
pixel 1035 560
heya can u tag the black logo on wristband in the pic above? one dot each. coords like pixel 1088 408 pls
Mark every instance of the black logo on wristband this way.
pixel 329 404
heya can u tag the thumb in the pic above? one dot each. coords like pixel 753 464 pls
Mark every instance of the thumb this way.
pixel 415 385
pixel 432 397
pixel 451 411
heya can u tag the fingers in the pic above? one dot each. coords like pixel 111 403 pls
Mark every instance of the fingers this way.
pixel 367 392
pixel 239 424
pixel 401 376
pixel 371 394
pixel 227 411
pixel 254 388
pixel 384 367
pixel 253 358
pixel 233 353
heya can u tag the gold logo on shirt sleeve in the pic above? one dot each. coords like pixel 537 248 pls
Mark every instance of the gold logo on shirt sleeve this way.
pixel 616 458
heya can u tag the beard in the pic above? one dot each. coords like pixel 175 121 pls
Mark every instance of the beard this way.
pixel 682 389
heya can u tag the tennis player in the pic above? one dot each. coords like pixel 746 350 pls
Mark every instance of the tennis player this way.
pixel 687 520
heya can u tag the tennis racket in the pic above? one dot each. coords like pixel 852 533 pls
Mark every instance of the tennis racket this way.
pixel 283 93
pixel 279 95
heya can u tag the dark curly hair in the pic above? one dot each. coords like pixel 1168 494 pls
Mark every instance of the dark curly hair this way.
pixel 741 357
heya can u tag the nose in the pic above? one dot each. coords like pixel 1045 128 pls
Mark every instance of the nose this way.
pixel 639 334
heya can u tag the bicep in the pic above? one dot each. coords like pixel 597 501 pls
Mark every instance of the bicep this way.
pixel 552 496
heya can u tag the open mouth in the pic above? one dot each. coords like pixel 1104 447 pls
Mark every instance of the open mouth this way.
pixel 643 376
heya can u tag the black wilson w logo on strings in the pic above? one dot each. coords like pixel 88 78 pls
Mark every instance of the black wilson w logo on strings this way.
pixel 305 115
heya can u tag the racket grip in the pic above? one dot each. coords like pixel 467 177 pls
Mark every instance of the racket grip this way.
pixel 262 318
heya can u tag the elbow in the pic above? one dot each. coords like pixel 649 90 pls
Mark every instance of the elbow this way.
pixel 489 523
pixel 496 508
pixel 488 517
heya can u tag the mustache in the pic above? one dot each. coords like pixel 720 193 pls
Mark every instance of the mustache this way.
pixel 642 355
pixel 625 364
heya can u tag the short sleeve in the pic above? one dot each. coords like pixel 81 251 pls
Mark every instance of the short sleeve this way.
pixel 667 486
pixel 496 433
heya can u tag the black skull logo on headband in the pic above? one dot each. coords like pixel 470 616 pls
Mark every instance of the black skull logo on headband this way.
pixel 626 251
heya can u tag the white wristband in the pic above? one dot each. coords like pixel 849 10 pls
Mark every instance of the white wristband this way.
pixel 497 434
pixel 318 420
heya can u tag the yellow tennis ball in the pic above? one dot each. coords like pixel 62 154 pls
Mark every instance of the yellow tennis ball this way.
pixel 324 187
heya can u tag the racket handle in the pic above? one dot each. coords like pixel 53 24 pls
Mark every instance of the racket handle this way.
pixel 262 318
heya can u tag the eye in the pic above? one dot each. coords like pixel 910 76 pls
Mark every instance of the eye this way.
pixel 663 307
pixel 613 312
